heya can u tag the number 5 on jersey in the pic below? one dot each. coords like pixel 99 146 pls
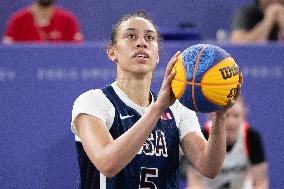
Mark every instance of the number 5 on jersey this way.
pixel 144 175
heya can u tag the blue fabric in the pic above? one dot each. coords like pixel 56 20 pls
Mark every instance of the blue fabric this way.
pixel 159 160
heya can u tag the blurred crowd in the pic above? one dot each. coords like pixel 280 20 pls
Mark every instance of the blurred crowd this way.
pixel 44 21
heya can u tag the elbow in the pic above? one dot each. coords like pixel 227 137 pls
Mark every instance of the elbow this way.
pixel 109 170
pixel 210 173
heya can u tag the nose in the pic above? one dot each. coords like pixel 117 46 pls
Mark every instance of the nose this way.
pixel 141 43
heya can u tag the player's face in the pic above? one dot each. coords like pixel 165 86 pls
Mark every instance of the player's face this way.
pixel 136 50
pixel 234 119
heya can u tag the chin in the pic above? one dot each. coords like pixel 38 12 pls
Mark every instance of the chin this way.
pixel 143 68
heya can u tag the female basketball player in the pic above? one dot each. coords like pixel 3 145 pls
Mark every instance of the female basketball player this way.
pixel 128 136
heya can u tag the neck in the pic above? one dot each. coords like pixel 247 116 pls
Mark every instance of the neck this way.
pixel 137 89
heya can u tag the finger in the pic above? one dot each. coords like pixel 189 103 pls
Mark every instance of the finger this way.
pixel 241 79
pixel 176 55
pixel 170 66
pixel 238 91
pixel 169 78
pixel 230 104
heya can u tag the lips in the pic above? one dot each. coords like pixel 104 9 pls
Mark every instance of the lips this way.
pixel 141 54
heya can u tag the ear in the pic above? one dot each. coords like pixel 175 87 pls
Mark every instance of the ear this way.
pixel 111 54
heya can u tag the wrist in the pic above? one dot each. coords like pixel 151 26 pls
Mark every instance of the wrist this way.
pixel 218 120
pixel 156 109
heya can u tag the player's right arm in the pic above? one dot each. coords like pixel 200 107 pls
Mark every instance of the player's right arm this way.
pixel 110 156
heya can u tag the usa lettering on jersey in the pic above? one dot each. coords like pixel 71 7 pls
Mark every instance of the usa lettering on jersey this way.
pixel 155 145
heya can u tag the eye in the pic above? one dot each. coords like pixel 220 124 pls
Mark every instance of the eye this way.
pixel 130 36
pixel 150 37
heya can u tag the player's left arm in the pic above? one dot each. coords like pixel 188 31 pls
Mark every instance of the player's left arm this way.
pixel 280 21
pixel 259 167
pixel 206 157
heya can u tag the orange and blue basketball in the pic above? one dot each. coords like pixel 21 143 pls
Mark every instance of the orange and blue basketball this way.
pixel 206 78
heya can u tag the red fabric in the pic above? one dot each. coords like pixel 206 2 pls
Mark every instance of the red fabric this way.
pixel 207 126
pixel 63 26
pixel 246 126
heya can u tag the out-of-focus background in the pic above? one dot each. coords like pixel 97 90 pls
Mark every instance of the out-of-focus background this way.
pixel 39 83
pixel 97 17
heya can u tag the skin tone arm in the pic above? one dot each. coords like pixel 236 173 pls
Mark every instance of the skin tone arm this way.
pixel 109 155
pixel 207 157
pixel 261 31
pixel 280 18
pixel 195 179
pixel 259 176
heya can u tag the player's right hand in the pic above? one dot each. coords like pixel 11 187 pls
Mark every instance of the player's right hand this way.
pixel 166 96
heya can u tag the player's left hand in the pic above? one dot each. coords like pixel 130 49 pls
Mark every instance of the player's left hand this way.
pixel 232 101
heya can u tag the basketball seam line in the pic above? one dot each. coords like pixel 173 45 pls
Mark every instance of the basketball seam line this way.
pixel 193 78
pixel 206 84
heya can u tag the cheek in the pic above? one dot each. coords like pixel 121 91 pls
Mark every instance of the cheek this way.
pixel 121 54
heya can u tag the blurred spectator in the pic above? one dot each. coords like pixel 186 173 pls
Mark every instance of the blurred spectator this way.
pixel 244 167
pixel 259 22
pixel 42 22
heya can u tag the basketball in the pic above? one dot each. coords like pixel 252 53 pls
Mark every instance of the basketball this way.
pixel 206 78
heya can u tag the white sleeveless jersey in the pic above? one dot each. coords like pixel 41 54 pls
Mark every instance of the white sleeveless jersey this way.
pixel 234 171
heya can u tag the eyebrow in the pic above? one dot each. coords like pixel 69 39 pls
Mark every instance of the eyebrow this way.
pixel 146 31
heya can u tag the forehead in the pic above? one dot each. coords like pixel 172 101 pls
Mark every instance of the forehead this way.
pixel 137 24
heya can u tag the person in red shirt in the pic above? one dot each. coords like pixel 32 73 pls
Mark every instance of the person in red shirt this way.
pixel 42 22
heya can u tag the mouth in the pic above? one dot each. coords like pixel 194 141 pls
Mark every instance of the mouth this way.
pixel 141 55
